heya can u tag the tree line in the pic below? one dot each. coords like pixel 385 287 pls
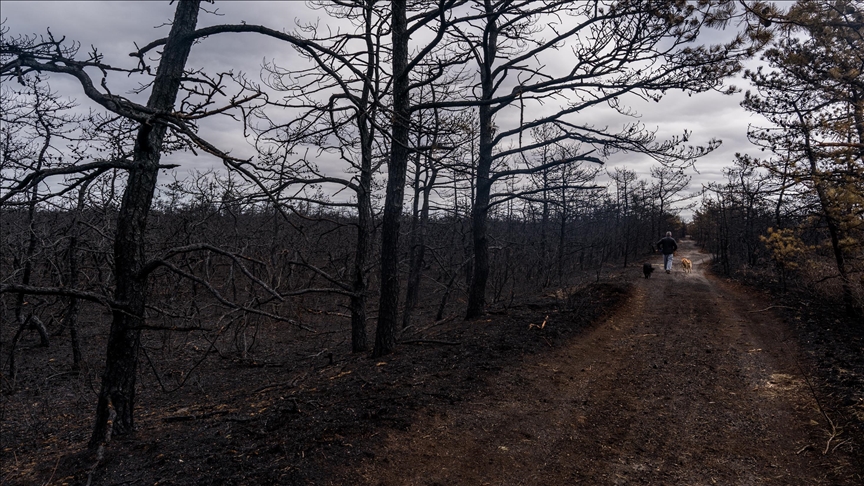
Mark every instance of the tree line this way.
pixel 799 208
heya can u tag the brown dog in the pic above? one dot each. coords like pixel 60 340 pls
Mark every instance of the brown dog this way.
pixel 687 264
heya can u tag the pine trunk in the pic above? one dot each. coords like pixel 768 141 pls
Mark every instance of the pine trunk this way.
pixel 118 380
pixel 388 309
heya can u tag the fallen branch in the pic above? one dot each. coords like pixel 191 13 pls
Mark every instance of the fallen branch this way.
pixel 834 432
pixel 832 435
pixel 840 444
pixel 61 291
pixel 541 326
pixel 54 471
pixel 434 324
pixel 100 452
pixel 241 419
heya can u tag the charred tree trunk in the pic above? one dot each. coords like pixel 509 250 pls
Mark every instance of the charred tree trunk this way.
pixel 479 229
pixel 22 320
pixel 359 341
pixel 420 216
pixel 562 238
pixel 388 310
pixel 366 127
pixel 417 256
pixel 544 238
pixel 70 319
pixel 480 211
pixel 118 380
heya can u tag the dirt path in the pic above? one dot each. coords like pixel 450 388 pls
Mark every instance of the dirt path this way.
pixel 690 383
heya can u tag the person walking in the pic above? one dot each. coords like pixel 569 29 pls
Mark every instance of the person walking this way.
pixel 667 246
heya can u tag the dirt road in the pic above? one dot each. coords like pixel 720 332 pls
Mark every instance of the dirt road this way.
pixel 692 382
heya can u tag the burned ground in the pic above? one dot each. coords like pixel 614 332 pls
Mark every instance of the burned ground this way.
pixel 677 379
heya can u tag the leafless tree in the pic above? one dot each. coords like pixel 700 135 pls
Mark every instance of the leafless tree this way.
pixel 424 17
pixel 436 19
pixel 666 187
pixel 23 57
pixel 336 103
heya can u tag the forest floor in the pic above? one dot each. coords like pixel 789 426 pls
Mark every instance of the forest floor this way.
pixel 683 378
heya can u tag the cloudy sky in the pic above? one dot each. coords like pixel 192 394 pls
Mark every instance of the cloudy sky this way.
pixel 116 27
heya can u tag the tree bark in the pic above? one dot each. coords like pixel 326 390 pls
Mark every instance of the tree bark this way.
pixel 417 257
pixel 479 213
pixel 828 212
pixel 71 317
pixel 479 230
pixel 366 127
pixel 118 380
pixel 20 319
pixel 388 309
pixel 364 234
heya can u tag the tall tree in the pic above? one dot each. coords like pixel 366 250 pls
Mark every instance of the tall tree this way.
pixel 403 64
pixel 433 18
pixel 338 101
pixel 34 121
pixel 21 57
pixel 813 95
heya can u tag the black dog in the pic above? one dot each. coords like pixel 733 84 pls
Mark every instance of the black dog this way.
pixel 647 268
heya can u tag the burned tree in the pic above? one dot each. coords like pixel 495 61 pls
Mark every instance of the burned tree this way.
pixel 164 123
pixel 336 101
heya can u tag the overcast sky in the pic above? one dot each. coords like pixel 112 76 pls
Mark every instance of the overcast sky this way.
pixel 115 27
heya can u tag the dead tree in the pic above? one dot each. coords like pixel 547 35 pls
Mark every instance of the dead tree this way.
pixel 36 123
pixel 20 57
pixel 668 182
pixel 337 100
pixel 434 141
pixel 436 17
